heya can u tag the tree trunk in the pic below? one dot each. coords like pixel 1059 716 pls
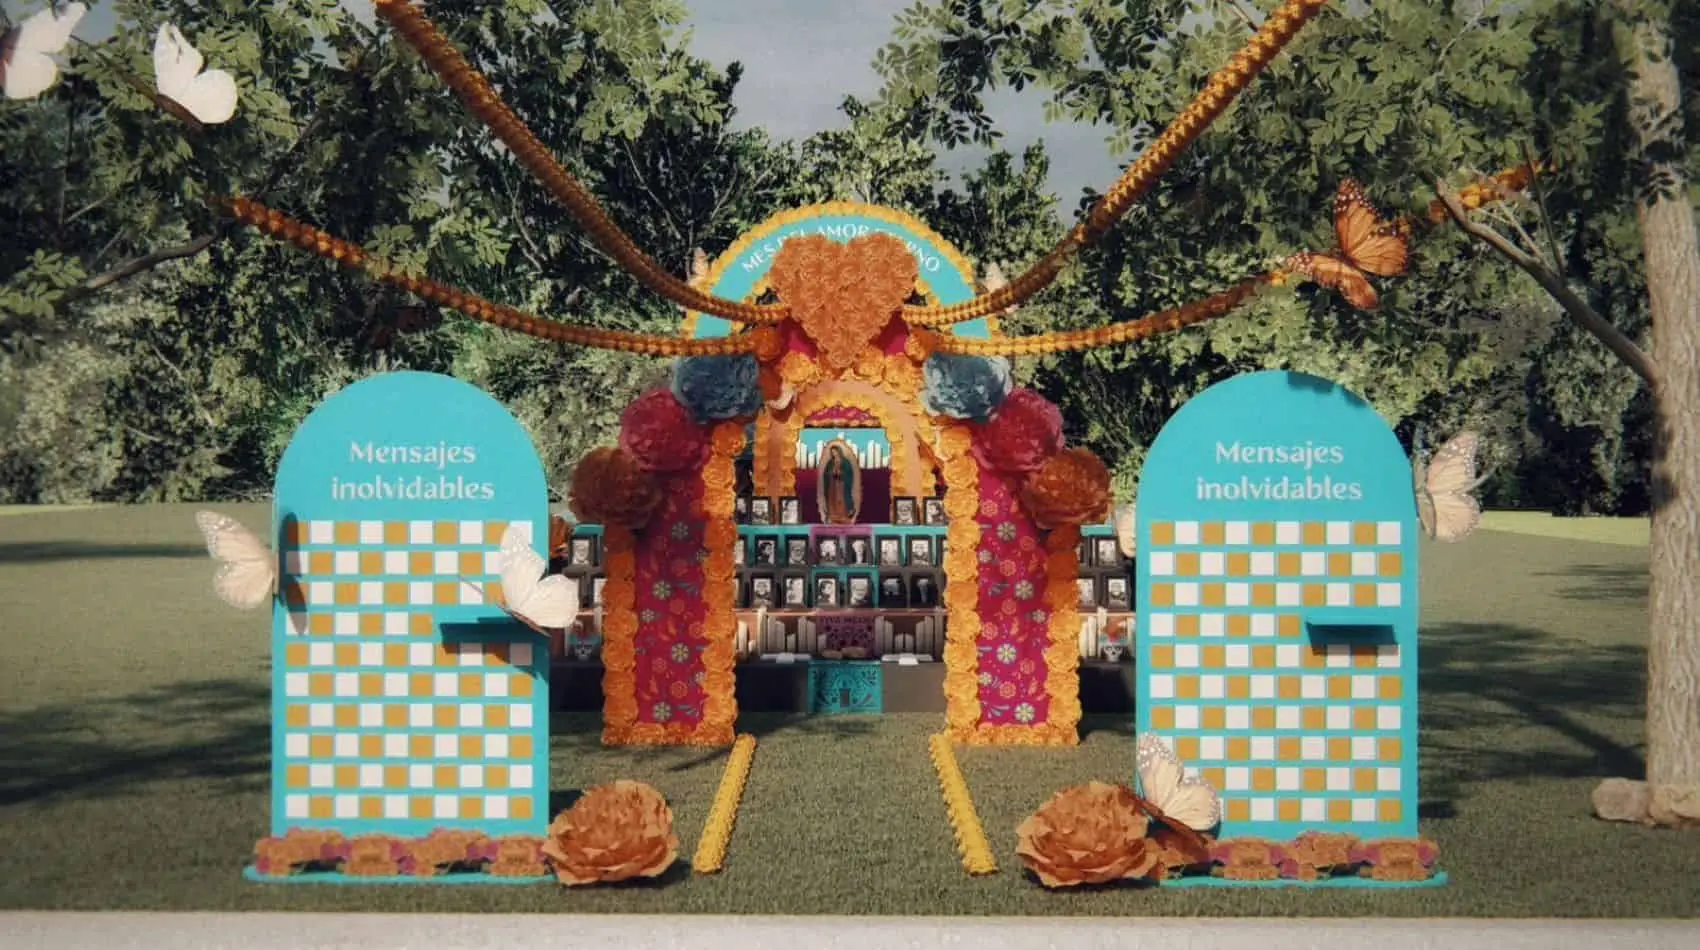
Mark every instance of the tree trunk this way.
pixel 1672 250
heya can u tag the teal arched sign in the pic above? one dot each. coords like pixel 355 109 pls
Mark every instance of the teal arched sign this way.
pixel 1277 584
pixel 401 702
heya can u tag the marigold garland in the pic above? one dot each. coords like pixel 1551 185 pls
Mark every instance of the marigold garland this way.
pixel 962 582
pixel 720 626
pixel 970 835
pixel 710 855
pixel 619 635
pixel 1062 656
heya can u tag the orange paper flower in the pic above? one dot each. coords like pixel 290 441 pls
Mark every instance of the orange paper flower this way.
pixel 1071 488
pixel 610 487
pixel 843 295
pixel 615 832
pixel 1088 834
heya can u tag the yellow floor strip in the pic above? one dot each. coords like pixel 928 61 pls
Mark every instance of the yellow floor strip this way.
pixel 717 831
pixel 964 820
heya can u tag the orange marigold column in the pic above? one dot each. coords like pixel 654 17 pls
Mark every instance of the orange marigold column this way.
pixel 962 583
pixel 619 635
pixel 720 626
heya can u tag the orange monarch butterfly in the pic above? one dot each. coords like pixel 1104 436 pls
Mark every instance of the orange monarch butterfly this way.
pixel 1367 246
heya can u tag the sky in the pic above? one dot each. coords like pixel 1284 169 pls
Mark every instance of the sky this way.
pixel 801 57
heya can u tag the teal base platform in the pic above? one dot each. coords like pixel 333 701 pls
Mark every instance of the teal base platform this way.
pixel 1438 880
pixel 337 877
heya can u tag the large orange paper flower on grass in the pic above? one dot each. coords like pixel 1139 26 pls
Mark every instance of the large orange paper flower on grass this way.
pixel 616 832
pixel 1088 834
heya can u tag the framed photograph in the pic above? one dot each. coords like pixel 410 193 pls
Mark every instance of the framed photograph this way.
pixel 858 590
pixel 1088 588
pixel 904 511
pixel 581 551
pixel 741 509
pixel 888 551
pixel 790 510
pixel 893 592
pixel 829 550
pixel 767 551
pixel 1084 553
pixel 796 593
pixel 596 590
pixel 921 552
pixel 826 591
pixel 923 591
pixel 932 511
pixel 859 550
pixel 838 484
pixel 796 551
pixel 1105 553
pixel 740 551
pixel 761 511
pixel 1118 595
pixel 762 592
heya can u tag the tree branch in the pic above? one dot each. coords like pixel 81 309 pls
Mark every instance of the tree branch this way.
pixel 134 266
pixel 1577 308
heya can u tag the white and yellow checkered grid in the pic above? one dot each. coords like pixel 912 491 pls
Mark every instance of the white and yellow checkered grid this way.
pixel 382 721
pixel 1285 730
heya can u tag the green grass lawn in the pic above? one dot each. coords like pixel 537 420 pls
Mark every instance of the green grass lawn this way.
pixel 134 757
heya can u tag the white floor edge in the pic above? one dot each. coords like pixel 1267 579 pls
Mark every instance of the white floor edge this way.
pixel 264 931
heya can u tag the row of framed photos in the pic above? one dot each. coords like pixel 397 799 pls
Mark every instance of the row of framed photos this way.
pixel 1109 591
pixel 1101 551
pixel 856 550
pixel 839 590
pixel 906 511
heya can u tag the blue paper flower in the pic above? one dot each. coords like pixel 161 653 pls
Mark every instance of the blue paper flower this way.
pixel 717 388
pixel 966 387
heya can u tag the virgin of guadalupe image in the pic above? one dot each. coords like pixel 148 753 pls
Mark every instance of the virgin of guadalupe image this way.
pixel 840 485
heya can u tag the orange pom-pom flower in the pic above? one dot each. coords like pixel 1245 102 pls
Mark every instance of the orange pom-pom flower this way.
pixel 610 487
pixel 1070 488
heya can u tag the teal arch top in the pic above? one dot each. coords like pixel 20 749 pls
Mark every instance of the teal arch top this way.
pixel 940 266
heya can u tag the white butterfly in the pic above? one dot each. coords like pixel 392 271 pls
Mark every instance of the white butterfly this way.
pixel 1124 519
pixel 247 568
pixel 1445 507
pixel 209 97
pixel 540 602
pixel 1180 800
pixel 27 67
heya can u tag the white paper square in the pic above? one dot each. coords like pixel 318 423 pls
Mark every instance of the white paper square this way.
pixel 1288 594
pixel 345 562
pixel 1288 532
pixel 1262 625
pixel 1162 625
pixel 472 532
pixel 346 745
pixel 471 776
pixel 320 593
pixel 1186 595
pixel 1186 532
pixel 1338 532
pixel 419 776
pixel 1287 780
pixel 1186 656
pixel 421 532
pixel 1186 717
pixel 1237 656
pixel 445 685
pixel 1288 656
pixel 371 593
pixel 1339 717
pixel 1388 595
pixel 1363 563
pixel 371 776
pixel 395 563
pixel 445 746
pixel 1313 748
pixel 496 746
pixel 1387 717
pixel 1238 595
pixel 321 716
pixel 395 624
pixel 1263 564
pixel 1212 564
pixel 1312 686
pixel 295 684
pixel 1313 564
pixel 395 806
pixel 1211 687
pixel 1387 657
pixel 1263 687
pixel 295 745
pixel 1287 717
pixel 295 806
pixel 345 624
pixel 1337 656
pixel 1339 779
pixel 520 776
pixel 1237 779
pixel 1388 779
pixel 420 593
pixel 1339 595
pixel 421 654
pixel 1263 748
pixel 297 622
pixel 447 806
pixel 1363 687
pixel 1162 686
pixel 347 806
pixel 1363 809
pixel 495 684
pixel 469 654
pixel 346 685
pixel 492 563
pixel 320 776
pixel 1363 748
pixel 321 532
pixel 371 654
pixel 1162 563
pixel 419 716
pixel 395 685
pixel 496 806
pixel 1237 532
pixel 1387 532
pixel 472 715
pixel 371 715
pixel 1237 717
pixel 1313 809
pixel 446 563
pixel 520 716
pixel 1263 809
